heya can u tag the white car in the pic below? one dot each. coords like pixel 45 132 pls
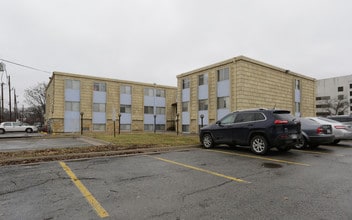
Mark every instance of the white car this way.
pixel 16 126
pixel 339 130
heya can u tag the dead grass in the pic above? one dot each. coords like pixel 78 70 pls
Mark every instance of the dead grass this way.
pixel 121 144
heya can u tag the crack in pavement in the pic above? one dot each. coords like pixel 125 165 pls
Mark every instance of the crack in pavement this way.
pixel 25 188
pixel 205 189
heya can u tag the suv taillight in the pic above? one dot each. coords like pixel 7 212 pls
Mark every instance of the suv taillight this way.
pixel 340 127
pixel 280 122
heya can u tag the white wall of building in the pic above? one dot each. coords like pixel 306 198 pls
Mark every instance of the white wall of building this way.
pixel 330 87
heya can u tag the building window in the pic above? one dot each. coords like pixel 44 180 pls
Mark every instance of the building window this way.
pixel 322 106
pixel 148 92
pixel 98 107
pixel 159 127
pixel 72 106
pixel 297 107
pixel 125 108
pixel 350 93
pixel 125 90
pixel 148 127
pixel 340 97
pixel 101 87
pixel 185 83
pixel 350 86
pixel 340 89
pixel 203 105
pixel 160 93
pixel 185 128
pixel 125 127
pixel 99 127
pixel 149 110
pixel 160 110
pixel 223 74
pixel 322 98
pixel 223 102
pixel 72 84
pixel 297 84
pixel 203 79
pixel 185 106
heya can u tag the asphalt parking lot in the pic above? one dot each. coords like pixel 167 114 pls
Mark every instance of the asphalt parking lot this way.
pixel 37 141
pixel 222 183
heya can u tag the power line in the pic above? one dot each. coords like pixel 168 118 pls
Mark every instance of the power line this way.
pixel 25 66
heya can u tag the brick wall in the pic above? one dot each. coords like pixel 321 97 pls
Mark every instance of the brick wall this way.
pixel 56 88
pixel 253 84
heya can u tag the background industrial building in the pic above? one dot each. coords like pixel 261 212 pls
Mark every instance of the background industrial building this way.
pixel 334 89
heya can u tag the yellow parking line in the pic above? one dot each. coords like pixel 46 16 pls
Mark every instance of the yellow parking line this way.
pixel 85 192
pixel 317 152
pixel 200 169
pixel 261 158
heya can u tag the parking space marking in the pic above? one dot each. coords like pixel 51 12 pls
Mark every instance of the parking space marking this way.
pixel 200 169
pixel 85 192
pixel 261 158
pixel 317 152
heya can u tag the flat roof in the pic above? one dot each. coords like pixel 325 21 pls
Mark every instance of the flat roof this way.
pixel 243 58
pixel 107 79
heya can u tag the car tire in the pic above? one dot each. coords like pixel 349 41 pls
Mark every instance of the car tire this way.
pixel 207 141
pixel 336 141
pixel 259 145
pixel 2 131
pixel 29 130
pixel 302 143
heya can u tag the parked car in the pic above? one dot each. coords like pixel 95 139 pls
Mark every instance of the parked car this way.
pixel 261 129
pixel 16 126
pixel 314 134
pixel 344 119
pixel 339 130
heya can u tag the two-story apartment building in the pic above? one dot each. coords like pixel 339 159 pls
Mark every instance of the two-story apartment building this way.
pixel 98 102
pixel 208 93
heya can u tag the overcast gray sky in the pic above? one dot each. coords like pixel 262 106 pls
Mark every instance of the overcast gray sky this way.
pixel 154 40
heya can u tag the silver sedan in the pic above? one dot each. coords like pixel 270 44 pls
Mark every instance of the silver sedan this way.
pixel 339 130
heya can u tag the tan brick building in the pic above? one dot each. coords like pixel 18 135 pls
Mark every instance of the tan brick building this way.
pixel 240 83
pixel 142 106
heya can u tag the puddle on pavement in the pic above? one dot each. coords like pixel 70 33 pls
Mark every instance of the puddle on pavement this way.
pixel 271 165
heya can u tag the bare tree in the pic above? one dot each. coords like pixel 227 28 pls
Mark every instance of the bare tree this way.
pixel 337 106
pixel 35 97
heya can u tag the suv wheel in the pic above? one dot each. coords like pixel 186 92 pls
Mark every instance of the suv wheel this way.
pixel 302 143
pixel 29 130
pixel 259 145
pixel 2 131
pixel 207 141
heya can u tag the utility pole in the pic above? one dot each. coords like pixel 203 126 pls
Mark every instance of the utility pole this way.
pixel 2 102
pixel 2 69
pixel 10 98
pixel 15 104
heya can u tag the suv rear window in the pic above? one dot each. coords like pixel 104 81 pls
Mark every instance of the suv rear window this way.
pixel 283 115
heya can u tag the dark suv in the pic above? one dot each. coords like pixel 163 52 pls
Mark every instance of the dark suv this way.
pixel 260 129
